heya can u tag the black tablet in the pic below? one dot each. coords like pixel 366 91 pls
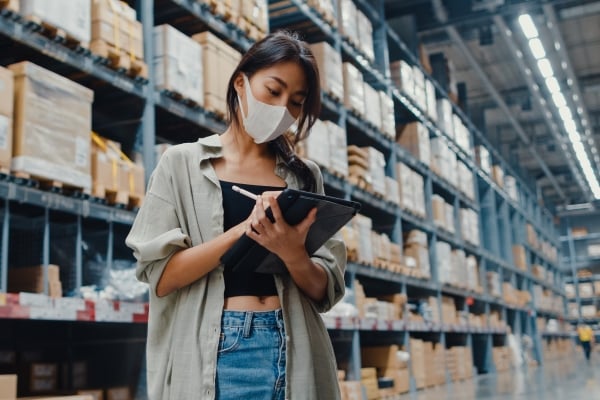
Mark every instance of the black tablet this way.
pixel 332 214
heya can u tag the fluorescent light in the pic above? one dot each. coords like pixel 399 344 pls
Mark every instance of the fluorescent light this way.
pixel 537 48
pixel 552 85
pixel 569 125
pixel 559 100
pixel 545 67
pixel 528 26
pixel 574 136
pixel 565 113
pixel 579 150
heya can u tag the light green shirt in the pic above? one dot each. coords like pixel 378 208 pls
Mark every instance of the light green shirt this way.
pixel 184 208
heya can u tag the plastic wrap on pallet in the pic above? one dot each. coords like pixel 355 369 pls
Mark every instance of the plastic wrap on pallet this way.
pixel 317 144
pixel 372 106
pixel 402 75
pixel 6 116
pixel 444 113
pixel 72 16
pixel 483 159
pixel 329 62
pixel 354 91
pixel 388 119
pixel 51 112
pixel 376 162
pixel 365 35
pixel 178 63
pixel 347 17
pixel 363 226
pixel 337 148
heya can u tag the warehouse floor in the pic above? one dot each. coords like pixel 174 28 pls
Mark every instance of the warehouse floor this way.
pixel 566 379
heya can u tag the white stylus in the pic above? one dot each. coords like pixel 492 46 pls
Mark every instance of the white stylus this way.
pixel 244 192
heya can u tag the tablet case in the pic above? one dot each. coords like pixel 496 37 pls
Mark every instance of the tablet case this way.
pixel 332 214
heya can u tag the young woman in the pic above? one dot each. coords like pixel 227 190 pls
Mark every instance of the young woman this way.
pixel 218 334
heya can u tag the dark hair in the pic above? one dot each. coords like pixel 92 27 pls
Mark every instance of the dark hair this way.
pixel 275 48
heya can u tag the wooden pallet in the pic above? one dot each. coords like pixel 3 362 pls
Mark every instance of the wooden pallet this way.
pixel 181 98
pixel 120 198
pixel 119 59
pixel 45 183
pixel 54 32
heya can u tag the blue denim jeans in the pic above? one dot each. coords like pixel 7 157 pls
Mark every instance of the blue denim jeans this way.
pixel 251 359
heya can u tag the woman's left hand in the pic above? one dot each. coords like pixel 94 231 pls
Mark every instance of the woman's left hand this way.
pixel 286 241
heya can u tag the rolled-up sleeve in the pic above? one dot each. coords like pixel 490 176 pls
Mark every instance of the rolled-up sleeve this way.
pixel 332 256
pixel 156 233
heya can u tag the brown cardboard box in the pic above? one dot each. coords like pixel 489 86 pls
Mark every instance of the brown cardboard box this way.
pixel 219 60
pixel 579 231
pixel 51 112
pixel 415 138
pixel 6 92
pixel 31 279
pixel 8 387
pixel 118 393
pixel 498 175
pixel 94 394
pixel 115 23
pixel 519 257
pixel 381 357
pixel 6 141
pixel 74 397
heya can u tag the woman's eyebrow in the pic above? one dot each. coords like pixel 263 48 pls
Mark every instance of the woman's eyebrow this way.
pixel 284 84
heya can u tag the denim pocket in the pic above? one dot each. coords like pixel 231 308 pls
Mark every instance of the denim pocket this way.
pixel 229 339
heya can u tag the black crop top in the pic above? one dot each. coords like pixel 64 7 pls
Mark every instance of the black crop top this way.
pixel 237 208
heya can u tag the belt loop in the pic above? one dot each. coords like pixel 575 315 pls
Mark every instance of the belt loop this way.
pixel 247 324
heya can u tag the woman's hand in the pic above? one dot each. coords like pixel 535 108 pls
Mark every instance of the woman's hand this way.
pixel 286 241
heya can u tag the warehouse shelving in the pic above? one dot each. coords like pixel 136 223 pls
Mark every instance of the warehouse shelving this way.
pixel 188 16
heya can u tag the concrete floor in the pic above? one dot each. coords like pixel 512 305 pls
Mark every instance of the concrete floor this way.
pixel 565 379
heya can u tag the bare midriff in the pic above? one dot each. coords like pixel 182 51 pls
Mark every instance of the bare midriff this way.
pixel 252 303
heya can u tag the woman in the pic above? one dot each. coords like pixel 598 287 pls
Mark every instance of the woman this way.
pixel 212 332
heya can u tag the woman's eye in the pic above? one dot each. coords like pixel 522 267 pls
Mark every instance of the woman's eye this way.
pixel 273 92
pixel 296 104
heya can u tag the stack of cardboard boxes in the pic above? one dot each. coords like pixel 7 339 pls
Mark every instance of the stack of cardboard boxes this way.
pixel 178 63
pixel 114 177
pixel 372 106
pixel 459 362
pixel 117 35
pixel 503 358
pixel 31 279
pixel 6 118
pixel 469 225
pixel 443 213
pixel 219 60
pixel 356 28
pixel 70 16
pixel 51 112
pixel 387 363
pixel 519 257
pixel 354 89
pixel 326 145
pixel 411 185
pixel 329 62
pixel 416 248
pixel 415 138
pixel 483 159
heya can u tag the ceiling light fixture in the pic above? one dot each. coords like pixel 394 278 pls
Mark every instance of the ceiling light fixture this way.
pixel 560 101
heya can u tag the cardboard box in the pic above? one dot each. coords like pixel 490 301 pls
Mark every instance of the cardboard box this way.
pixel 115 24
pixel 338 144
pixel 316 144
pixel 219 60
pixel 347 18
pixel 51 112
pixel 6 116
pixel 6 92
pixel 372 106
pixel 415 138
pixel 381 357
pixel 329 62
pixel 498 175
pixel 519 257
pixel 402 75
pixel 388 118
pixel 72 16
pixel 354 91
pixel 579 231
pixel 118 393
pixel 31 279
pixel 74 397
pixel 8 387
pixel 178 63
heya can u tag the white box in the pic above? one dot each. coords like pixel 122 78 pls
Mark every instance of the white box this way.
pixel 178 63
pixel 317 144
pixel 72 16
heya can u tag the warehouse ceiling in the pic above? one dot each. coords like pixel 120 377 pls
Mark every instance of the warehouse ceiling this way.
pixel 483 39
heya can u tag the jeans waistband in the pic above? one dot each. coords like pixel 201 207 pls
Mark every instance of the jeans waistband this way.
pixel 254 318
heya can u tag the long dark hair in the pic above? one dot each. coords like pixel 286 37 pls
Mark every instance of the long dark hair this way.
pixel 275 48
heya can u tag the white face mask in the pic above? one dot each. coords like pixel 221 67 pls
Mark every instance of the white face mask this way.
pixel 264 122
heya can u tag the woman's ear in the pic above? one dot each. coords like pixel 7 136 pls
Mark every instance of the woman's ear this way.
pixel 238 84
